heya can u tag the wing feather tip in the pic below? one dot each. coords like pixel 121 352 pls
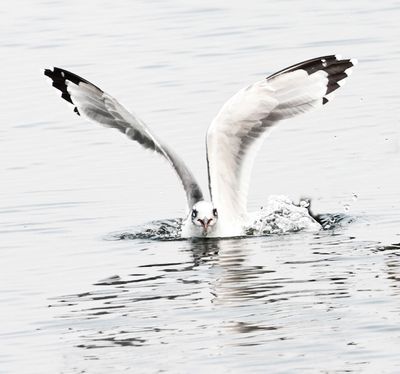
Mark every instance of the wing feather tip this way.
pixel 47 72
pixel 338 56
pixel 57 75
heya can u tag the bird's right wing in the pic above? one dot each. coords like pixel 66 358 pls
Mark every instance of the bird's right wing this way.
pixel 100 107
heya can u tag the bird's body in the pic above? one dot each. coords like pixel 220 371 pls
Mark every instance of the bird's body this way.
pixel 233 138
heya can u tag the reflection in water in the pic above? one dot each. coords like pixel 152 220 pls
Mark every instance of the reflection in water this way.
pixel 286 295
pixel 204 250
pixel 122 338
pixel 392 262
pixel 222 280
pixel 242 281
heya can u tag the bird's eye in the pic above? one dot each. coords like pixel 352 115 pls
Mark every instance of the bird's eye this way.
pixel 194 213
pixel 215 212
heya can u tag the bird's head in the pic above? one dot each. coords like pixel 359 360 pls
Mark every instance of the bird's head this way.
pixel 204 215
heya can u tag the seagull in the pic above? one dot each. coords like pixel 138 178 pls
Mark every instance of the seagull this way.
pixel 233 138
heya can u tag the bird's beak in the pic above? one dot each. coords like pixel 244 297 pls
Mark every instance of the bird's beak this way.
pixel 204 223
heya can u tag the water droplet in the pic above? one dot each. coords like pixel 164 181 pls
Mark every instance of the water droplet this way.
pixel 304 203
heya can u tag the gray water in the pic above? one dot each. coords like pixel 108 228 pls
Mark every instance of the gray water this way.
pixel 76 300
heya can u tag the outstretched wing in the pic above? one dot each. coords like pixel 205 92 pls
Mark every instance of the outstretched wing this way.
pixel 100 107
pixel 238 130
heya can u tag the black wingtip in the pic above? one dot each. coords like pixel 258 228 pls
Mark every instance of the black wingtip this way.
pixel 337 72
pixel 60 77
pixel 336 68
pixel 47 72
pixel 57 75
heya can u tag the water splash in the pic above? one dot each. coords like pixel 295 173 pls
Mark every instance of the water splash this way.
pixel 282 216
pixel 166 229
pixel 279 216
pixel 330 221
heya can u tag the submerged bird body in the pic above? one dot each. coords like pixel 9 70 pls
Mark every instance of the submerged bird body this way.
pixel 233 138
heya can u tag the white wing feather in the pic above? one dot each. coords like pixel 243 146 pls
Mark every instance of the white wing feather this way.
pixel 238 130
pixel 100 107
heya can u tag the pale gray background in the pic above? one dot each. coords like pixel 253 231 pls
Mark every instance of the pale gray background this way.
pixel 299 303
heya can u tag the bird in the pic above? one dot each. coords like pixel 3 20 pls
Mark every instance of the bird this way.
pixel 233 138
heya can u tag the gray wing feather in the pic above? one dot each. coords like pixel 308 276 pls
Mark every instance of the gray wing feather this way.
pixel 100 107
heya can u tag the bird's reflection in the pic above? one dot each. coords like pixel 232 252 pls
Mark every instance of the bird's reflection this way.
pixel 248 281
pixel 204 250
pixel 237 280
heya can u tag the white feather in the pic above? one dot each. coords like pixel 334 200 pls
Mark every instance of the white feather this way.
pixel 239 129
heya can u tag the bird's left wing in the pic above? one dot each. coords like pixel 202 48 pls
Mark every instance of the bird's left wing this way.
pixel 100 107
pixel 240 127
